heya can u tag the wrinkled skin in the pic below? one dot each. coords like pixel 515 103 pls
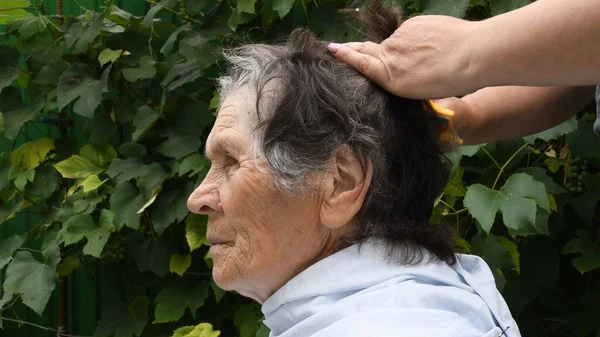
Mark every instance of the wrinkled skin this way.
pixel 259 238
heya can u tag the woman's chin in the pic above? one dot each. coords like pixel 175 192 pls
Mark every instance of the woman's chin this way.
pixel 223 274
pixel 222 278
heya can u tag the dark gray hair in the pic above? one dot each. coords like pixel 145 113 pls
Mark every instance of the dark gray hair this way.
pixel 317 104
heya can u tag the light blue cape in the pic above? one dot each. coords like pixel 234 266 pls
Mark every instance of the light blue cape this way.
pixel 357 293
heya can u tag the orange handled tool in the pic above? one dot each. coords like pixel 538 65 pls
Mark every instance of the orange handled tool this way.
pixel 447 133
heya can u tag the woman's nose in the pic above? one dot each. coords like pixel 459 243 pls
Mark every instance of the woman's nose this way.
pixel 205 199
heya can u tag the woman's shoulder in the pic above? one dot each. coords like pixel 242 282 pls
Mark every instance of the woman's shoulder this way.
pixel 417 322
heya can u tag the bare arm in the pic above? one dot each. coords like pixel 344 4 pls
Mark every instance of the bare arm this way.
pixel 547 43
pixel 499 113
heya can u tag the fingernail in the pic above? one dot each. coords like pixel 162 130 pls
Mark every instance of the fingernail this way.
pixel 334 47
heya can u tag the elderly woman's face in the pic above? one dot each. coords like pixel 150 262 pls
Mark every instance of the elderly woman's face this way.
pixel 259 238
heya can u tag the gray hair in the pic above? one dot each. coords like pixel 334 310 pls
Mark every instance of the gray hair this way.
pixel 256 66
pixel 319 104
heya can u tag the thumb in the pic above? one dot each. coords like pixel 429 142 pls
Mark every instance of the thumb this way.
pixel 370 66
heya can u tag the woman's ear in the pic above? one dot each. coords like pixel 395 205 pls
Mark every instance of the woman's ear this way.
pixel 344 189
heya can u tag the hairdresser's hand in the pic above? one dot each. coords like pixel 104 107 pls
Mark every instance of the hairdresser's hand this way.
pixel 427 57
pixel 464 115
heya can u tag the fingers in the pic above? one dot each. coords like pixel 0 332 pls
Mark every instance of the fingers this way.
pixel 368 48
pixel 369 65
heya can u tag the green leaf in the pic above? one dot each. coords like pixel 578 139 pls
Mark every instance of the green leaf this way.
pixel 21 176
pixel 124 169
pixel 82 34
pixel 579 141
pixel 457 8
pixel 236 18
pixel 82 203
pixel 247 319
pixel 195 231
pixel 218 292
pixel 15 113
pixel 1 124
pixel 50 73
pixel 539 227
pixel 199 49
pixel 77 167
pixel 589 250
pixel 96 239
pixel 78 83
pixel 28 27
pixel 194 163
pixel 23 81
pixel 8 210
pixel 263 331
pixel 5 167
pixel 503 6
pixel 124 109
pixel 541 175
pixel 455 186
pixel 516 200
pixel 125 202
pixel 174 299
pixel 133 150
pixel 512 248
pixel 70 264
pixel 119 16
pixel 585 205
pixel 170 207
pixel 76 228
pixel 99 155
pixel 200 330
pixel 149 18
pixel 554 164
pixel 108 56
pixel 246 6
pixel 282 7
pixel 179 263
pixel 170 43
pixel 495 254
pixel 122 321
pixel 50 248
pixel 32 154
pixel 179 145
pixel 91 183
pixel 147 69
pixel 180 74
pixel 208 259
pixel 11 10
pixel 9 63
pixel 149 254
pixel 8 247
pixel 150 179
pixel 183 136
pixel 564 128
pixel 32 279
pixel 144 119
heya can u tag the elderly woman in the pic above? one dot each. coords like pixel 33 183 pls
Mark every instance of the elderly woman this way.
pixel 318 197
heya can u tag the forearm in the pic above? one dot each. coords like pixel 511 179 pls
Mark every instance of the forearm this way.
pixel 546 43
pixel 499 113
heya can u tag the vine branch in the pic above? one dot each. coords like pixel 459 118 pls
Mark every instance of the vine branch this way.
pixel 40 327
pixel 27 197
pixel 506 163
pixel 13 8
